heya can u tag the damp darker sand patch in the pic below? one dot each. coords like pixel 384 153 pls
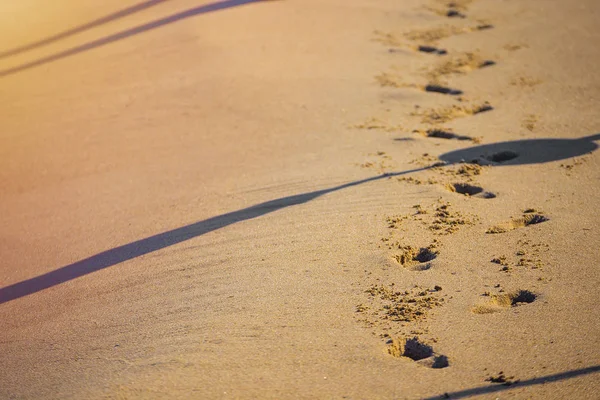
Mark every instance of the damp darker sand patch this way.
pixel 526 220
pixel 505 301
pixel 418 351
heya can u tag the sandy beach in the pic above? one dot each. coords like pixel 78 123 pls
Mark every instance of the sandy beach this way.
pixel 320 199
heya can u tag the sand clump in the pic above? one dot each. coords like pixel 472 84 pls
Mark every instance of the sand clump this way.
pixel 503 379
pixel 387 39
pixel 445 114
pixel 530 121
pixel 457 65
pixel 525 82
pixel 440 133
pixel 373 123
pixel 390 79
pixel 395 305
pixel 434 35
pixel 447 221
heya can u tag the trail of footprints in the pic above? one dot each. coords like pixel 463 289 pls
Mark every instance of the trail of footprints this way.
pixel 398 315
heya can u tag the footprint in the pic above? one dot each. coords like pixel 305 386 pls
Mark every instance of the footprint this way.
pixel 525 220
pixel 529 122
pixel 377 124
pixel 390 79
pixel 432 49
pixel 458 64
pixel 417 351
pixel 416 259
pixel 433 35
pixel 500 302
pixel 503 379
pixel 442 134
pixel 502 156
pixel 452 13
pixel 450 10
pixel 494 158
pixel 514 46
pixel 443 90
pixel 525 82
pixel 441 115
pixel 482 27
pixel 470 190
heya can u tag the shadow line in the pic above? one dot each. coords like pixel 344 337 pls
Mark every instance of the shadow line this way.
pixel 82 28
pixel 150 244
pixel 216 6
pixel 530 382
pixel 521 152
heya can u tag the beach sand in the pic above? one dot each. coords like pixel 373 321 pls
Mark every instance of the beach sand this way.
pixel 299 199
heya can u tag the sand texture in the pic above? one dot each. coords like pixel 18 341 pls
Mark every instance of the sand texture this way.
pixel 320 199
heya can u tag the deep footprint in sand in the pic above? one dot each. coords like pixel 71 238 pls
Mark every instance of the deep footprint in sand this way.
pixel 526 220
pixel 417 351
pixel 438 133
pixel 500 302
pixel 470 190
pixel 502 156
pixel 416 259
pixel 432 50
pixel 442 90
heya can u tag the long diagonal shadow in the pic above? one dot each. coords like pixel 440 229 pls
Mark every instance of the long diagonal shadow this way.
pixel 220 5
pixel 153 243
pixel 81 28
pixel 530 382
pixel 519 152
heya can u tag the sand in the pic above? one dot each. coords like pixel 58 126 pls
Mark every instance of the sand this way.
pixel 299 199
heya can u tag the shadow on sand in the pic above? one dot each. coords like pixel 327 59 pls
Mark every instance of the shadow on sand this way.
pixel 530 382
pixel 81 28
pixel 527 152
pixel 212 7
